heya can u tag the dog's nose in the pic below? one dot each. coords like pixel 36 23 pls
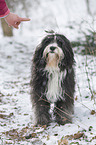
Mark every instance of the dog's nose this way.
pixel 52 48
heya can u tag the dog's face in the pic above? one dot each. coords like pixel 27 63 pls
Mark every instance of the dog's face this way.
pixel 54 52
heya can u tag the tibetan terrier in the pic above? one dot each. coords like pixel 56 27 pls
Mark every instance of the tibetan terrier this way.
pixel 52 80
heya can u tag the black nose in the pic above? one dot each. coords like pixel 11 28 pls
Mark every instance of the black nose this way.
pixel 52 48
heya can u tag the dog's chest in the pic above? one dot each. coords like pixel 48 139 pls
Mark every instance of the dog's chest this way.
pixel 54 89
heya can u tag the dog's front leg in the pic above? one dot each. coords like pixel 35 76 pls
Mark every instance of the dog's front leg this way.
pixel 42 108
pixel 63 112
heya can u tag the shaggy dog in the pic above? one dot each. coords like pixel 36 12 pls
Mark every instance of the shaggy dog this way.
pixel 52 80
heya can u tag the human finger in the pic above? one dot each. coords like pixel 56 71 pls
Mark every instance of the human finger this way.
pixel 17 23
pixel 24 19
pixel 15 26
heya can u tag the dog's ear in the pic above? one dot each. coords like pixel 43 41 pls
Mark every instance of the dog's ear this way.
pixel 68 53
pixel 38 60
pixel 68 59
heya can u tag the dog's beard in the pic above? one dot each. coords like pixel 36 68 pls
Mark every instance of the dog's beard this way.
pixel 52 60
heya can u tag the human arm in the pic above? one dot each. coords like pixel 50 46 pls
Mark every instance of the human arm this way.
pixel 11 18
pixel 4 11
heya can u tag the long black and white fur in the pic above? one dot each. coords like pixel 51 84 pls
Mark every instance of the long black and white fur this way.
pixel 52 80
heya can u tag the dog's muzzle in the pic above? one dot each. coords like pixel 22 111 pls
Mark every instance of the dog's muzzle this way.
pixel 52 55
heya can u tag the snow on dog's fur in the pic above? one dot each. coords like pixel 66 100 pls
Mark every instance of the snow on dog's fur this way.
pixel 52 80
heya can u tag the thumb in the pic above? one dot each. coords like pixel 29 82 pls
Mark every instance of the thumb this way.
pixel 16 24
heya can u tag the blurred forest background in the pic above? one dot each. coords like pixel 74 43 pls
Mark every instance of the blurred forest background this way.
pixel 77 19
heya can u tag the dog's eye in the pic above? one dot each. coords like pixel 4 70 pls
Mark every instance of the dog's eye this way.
pixel 59 42
pixel 47 41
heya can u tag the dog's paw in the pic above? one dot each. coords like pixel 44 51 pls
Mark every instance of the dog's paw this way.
pixel 63 120
pixel 43 120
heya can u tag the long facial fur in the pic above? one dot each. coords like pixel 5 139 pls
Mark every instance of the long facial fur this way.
pixel 63 43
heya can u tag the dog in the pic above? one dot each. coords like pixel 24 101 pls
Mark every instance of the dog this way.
pixel 53 80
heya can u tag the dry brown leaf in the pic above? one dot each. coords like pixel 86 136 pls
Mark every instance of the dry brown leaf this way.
pixel 93 112
pixel 63 142
pixel 78 135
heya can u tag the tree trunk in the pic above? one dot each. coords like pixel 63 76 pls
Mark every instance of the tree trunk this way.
pixel 7 31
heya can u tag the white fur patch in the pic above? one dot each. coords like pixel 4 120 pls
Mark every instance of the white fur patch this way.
pixel 58 50
pixel 54 92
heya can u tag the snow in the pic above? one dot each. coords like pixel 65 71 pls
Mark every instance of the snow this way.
pixel 15 67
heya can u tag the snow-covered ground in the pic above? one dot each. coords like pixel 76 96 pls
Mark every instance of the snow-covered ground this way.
pixel 15 67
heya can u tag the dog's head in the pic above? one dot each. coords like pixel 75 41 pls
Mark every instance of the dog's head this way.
pixel 54 52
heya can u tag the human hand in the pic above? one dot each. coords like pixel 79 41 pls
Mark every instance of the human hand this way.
pixel 14 20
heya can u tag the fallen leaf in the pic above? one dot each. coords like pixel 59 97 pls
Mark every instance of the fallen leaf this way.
pixel 93 112
pixel 63 142
pixel 78 135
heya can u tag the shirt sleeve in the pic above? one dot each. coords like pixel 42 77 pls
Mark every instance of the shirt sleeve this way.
pixel 4 11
